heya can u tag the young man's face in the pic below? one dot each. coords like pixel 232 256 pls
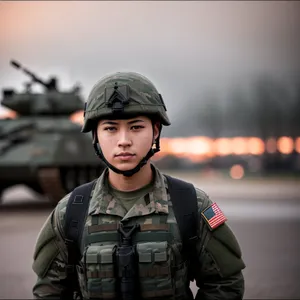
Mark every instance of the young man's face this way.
pixel 125 142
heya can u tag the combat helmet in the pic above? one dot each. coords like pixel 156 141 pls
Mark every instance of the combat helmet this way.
pixel 124 95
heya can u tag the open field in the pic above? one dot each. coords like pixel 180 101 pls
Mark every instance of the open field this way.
pixel 264 214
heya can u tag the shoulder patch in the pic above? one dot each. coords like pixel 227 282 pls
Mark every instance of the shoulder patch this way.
pixel 213 216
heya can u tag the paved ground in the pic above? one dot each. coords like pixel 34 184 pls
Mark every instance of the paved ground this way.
pixel 264 215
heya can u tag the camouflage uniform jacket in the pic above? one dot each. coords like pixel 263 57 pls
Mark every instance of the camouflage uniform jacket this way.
pixel 218 267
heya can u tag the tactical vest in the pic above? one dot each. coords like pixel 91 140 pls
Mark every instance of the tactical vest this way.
pixel 162 270
pixel 162 244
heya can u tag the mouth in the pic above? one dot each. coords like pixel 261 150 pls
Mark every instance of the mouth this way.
pixel 125 155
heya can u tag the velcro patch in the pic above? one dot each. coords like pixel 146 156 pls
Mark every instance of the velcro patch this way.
pixel 213 216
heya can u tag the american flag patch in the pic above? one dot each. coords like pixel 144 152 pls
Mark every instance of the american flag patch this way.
pixel 213 216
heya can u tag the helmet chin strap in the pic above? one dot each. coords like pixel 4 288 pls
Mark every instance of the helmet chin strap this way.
pixel 127 173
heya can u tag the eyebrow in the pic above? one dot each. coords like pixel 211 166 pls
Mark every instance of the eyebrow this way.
pixel 135 121
pixel 115 123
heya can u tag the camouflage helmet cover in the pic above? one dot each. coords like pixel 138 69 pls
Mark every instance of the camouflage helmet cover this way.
pixel 137 93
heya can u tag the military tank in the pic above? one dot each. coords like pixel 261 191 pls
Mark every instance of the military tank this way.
pixel 42 147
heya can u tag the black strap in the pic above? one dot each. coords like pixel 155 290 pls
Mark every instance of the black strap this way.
pixel 75 217
pixel 185 206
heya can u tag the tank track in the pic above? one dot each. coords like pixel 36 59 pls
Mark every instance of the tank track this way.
pixel 55 183
pixel 50 182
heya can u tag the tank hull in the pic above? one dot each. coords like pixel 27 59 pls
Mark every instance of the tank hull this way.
pixel 52 157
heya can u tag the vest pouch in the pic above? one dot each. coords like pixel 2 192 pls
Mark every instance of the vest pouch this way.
pixel 180 272
pixel 155 270
pixel 100 274
pixel 82 281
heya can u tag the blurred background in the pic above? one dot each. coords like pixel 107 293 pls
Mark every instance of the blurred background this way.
pixel 229 74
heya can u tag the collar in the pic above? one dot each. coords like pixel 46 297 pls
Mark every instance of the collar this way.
pixel 156 201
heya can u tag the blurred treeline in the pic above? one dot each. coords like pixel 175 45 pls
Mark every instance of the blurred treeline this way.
pixel 268 108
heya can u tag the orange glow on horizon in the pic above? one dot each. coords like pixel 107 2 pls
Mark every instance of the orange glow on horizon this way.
pixel 271 145
pixel 239 146
pixel 222 147
pixel 285 145
pixel 201 148
pixel 297 144
pixel 236 172
pixel 195 149
pixel 77 117
pixel 198 149
pixel 10 114
pixel 256 146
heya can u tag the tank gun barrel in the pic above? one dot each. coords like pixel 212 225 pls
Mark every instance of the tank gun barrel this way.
pixel 14 136
pixel 17 65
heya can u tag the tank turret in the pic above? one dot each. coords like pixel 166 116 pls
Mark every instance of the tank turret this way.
pixel 50 102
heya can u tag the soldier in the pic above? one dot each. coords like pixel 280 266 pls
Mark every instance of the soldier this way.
pixel 135 242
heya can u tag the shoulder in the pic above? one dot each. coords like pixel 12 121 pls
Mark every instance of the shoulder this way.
pixel 60 214
pixel 50 241
pixel 203 199
pixel 52 228
pixel 55 221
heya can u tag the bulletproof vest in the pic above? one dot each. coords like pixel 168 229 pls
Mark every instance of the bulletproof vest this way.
pixel 161 269
pixel 157 267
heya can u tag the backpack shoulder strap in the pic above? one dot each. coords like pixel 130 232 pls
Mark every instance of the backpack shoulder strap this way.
pixel 75 217
pixel 185 207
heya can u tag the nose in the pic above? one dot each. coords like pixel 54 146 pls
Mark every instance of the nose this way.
pixel 124 139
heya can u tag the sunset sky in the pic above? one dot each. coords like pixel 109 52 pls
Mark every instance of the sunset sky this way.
pixel 184 47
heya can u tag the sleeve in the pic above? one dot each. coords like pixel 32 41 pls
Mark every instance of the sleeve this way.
pixel 50 256
pixel 219 265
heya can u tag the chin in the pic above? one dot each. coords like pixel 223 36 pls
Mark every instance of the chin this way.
pixel 125 166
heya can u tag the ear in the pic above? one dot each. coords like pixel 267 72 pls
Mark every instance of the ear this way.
pixel 156 131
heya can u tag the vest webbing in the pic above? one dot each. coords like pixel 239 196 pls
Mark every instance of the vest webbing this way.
pixel 185 206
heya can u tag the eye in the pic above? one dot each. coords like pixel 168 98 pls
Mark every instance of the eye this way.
pixel 110 128
pixel 137 127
